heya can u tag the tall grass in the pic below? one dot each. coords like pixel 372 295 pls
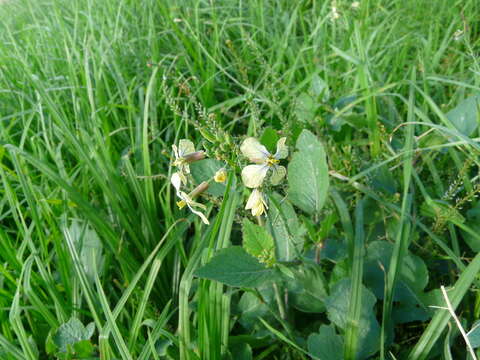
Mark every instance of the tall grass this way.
pixel 93 94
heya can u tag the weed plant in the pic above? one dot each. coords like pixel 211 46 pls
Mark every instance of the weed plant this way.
pixel 321 188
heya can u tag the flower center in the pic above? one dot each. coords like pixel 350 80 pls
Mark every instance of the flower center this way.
pixel 271 161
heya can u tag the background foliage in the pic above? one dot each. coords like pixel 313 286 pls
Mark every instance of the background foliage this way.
pixel 97 261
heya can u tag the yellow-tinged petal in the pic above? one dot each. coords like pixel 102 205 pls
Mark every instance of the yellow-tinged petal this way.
pixel 282 149
pixel 256 203
pixel 278 173
pixel 220 176
pixel 199 214
pixel 254 151
pixel 191 204
pixel 185 147
pixel 176 181
pixel 175 151
pixel 253 175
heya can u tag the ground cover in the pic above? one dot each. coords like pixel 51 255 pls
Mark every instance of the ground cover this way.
pixel 243 179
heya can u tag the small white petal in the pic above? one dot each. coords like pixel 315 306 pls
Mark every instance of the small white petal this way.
pixel 176 181
pixel 191 205
pixel 185 147
pixel 253 175
pixel 282 149
pixel 253 199
pixel 258 210
pixel 256 203
pixel 199 214
pixel 254 151
pixel 278 174
pixel 175 151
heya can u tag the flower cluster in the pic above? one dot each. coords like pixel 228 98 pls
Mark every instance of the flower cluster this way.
pixel 265 165
pixel 253 176
pixel 185 154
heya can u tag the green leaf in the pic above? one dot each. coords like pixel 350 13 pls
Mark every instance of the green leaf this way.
pixel 337 310
pixel 269 138
pixel 474 335
pixel 308 174
pixel 382 179
pixel 413 273
pixel 319 87
pixel 89 248
pixel 464 115
pixel 286 230
pixel 305 108
pixel 411 281
pixel 326 344
pixel 327 224
pixel 235 267
pixel 307 289
pixel 440 211
pixel 50 346
pixel 251 308
pixel 241 352
pixel 72 332
pixel 440 320
pixel 258 242
pixel 83 349
pixel 205 170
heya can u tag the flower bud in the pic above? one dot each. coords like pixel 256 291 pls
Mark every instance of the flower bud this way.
pixel 195 156
pixel 198 190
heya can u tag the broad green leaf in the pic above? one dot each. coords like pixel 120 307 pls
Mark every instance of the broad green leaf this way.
pixel 441 318
pixel 235 267
pixel 338 304
pixel 71 333
pixel 382 179
pixel 241 352
pixel 287 231
pixel 251 308
pixel 308 174
pixel 319 87
pixel 326 344
pixel 258 242
pixel 308 289
pixel 205 170
pixel 412 280
pixel 305 108
pixel 465 115
pixel 83 349
pixel 413 273
pixel 405 313
pixel 474 335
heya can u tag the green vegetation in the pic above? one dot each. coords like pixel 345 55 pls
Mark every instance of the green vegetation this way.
pixel 344 256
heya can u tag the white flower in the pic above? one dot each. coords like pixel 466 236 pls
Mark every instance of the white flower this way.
pixel 256 203
pixel 253 175
pixel 186 199
pixel 184 155
pixel 458 34
pixel 220 176
pixel 335 15
pixel 355 5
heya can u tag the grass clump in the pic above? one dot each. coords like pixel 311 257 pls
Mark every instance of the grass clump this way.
pixel 349 131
